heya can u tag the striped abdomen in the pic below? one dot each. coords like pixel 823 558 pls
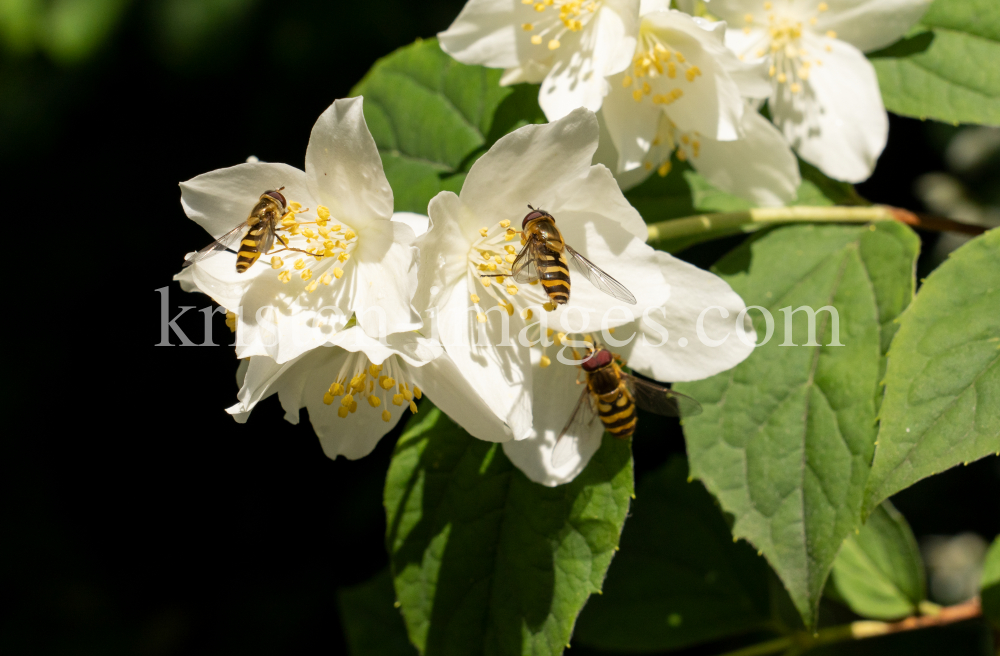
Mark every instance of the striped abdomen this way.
pixel 250 247
pixel 553 271
pixel 617 412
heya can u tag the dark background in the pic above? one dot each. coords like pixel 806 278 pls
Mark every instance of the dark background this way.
pixel 137 517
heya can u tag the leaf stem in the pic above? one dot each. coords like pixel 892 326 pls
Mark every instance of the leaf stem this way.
pixel 801 641
pixel 725 223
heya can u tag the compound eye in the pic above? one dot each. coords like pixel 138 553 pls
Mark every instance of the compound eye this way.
pixel 531 217
pixel 277 195
pixel 600 358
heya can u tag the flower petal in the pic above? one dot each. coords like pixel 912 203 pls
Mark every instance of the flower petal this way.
pixel 695 295
pixel 759 167
pixel 604 47
pixel 443 383
pixel 385 279
pixel 837 121
pixel 871 24
pixel 343 160
pixel 443 252
pixel 220 200
pixel 556 397
pixel 484 33
pixel 418 223
pixel 262 378
pixel 631 125
pixel 524 166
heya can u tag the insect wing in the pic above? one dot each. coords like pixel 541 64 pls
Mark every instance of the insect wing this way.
pixel 269 235
pixel 524 269
pixel 599 278
pixel 659 399
pixel 583 415
pixel 224 243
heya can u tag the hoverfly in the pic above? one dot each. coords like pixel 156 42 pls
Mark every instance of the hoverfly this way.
pixel 260 227
pixel 614 395
pixel 542 258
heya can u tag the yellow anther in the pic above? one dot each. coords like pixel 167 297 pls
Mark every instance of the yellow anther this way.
pixel 486 281
pixel 611 331
pixel 397 399
pixel 322 212
pixel 337 273
pixel 813 20
pixel 386 416
pixel 511 289
pixel 374 401
pixel 498 259
pixel 626 81
pixel 664 169
pixel 277 262
pixel 413 407
pixel 374 369
pixel 386 382
pixel 767 6
pixel 527 2
pixel 491 266
pixel 685 139
pixel 692 73
pixel 549 306
pixel 823 6
pixel 300 264
pixel 474 297
pixel 349 235
pixel 417 393
pixel 505 223
pixel 354 406
pixel 308 233
pixel 782 78
pixel 311 287
pixel 347 400
pixel 559 338
pixel 231 321
pixel 696 148
pixel 545 361
pixel 328 398
pixel 539 6
pixel 306 274
pixel 295 207
pixel 358 382
pixel 371 386
pixel 646 89
pixel 536 39
pixel 527 314
pixel 637 95
pixel 484 231
pixel 288 219
pixel 509 307
pixel 343 257
pixel 681 155
pixel 510 249
pixel 342 412
pixel 830 34
pixel 553 44
pixel 285 276
pixel 336 389
pixel 676 93
pixel 407 394
pixel 481 317
pixel 680 57
pixel 336 228
pixel 771 71
pixel 795 87
pixel 748 18
pixel 324 232
pixel 326 279
pixel 671 70
pixel 527 27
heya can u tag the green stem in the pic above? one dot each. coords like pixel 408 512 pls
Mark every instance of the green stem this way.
pixel 708 226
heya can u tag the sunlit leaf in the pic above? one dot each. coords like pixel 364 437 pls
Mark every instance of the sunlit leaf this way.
pixel 787 436
pixel 942 385
pixel 484 560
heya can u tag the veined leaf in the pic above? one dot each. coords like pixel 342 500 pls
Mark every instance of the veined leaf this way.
pixel 879 572
pixel 484 560
pixel 942 385
pixel 787 436
pixel 432 116
pixel 679 579
pixel 946 68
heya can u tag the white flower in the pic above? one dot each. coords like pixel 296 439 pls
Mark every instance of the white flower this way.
pixel 665 345
pixel 685 93
pixel 570 46
pixel 360 262
pixel 356 388
pixel 825 95
pixel 475 233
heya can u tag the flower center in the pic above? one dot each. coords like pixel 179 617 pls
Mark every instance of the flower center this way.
pixel 790 62
pixel 653 59
pixel 668 140
pixel 378 383
pixel 549 27
pixel 320 244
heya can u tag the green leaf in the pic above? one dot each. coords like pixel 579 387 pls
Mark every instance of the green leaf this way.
pixel 990 586
pixel 942 385
pixel 679 579
pixel 946 68
pixel 787 436
pixel 484 560
pixel 371 621
pixel 432 116
pixel 879 573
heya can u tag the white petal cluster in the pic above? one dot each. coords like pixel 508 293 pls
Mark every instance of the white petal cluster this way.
pixel 366 311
